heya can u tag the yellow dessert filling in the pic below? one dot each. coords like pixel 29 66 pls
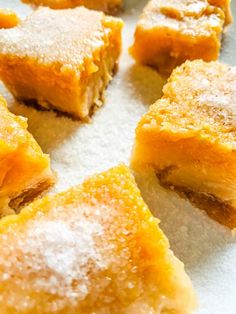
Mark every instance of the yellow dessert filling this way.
pixel 188 137
pixel 94 248
pixel 171 32
pixel 24 169
pixel 68 71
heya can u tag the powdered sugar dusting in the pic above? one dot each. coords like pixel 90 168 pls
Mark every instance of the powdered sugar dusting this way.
pixel 224 95
pixel 204 101
pixel 43 36
pixel 78 150
pixel 190 17
pixel 65 251
pixel 58 251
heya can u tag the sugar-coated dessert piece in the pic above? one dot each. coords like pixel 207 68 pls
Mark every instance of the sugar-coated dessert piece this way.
pixel 24 169
pixel 108 6
pixel 170 32
pixel 8 18
pixel 189 137
pixel 63 59
pixel 95 248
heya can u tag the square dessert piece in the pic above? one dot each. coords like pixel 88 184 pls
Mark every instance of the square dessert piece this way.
pixel 107 6
pixel 8 18
pixel 24 169
pixel 189 137
pixel 63 59
pixel 170 32
pixel 95 248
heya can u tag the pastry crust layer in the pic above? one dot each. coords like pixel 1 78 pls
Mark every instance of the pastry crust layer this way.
pixel 215 208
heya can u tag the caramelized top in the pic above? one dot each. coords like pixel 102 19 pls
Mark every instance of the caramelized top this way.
pixel 199 100
pixel 95 248
pixel 67 37
pixel 190 17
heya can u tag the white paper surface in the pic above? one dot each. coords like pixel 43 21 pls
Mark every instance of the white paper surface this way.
pixel 77 150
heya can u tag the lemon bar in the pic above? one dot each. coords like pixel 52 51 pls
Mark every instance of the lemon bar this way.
pixel 95 248
pixel 63 59
pixel 8 18
pixel 189 137
pixel 170 32
pixel 24 169
pixel 108 6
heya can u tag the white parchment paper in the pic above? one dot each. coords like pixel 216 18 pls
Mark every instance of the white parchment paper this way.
pixel 78 150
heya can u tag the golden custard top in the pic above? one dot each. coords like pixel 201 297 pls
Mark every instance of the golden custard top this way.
pixel 66 37
pixel 190 17
pixel 91 249
pixel 199 100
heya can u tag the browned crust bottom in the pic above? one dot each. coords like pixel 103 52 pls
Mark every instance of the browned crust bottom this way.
pixel 215 208
pixel 29 195
pixel 35 104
